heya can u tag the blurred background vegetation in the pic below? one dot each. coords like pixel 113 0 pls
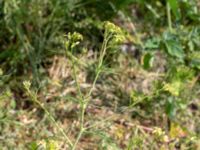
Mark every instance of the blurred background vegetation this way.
pixel 150 84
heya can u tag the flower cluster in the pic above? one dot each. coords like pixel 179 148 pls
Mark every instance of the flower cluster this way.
pixel 114 31
pixel 160 134
pixel 73 40
pixel 27 85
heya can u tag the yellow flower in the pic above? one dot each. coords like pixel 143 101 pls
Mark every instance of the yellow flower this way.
pixel 27 84
pixel 112 28
pixel 173 88
pixel 115 32
pixel 73 39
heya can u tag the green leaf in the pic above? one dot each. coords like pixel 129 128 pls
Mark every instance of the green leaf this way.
pixel 147 61
pixel 171 108
pixel 152 43
pixel 33 146
pixel 194 59
pixel 175 7
pixel 173 46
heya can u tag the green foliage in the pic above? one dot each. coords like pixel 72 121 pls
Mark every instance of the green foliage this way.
pixel 147 60
pixel 174 4
pixel 173 45
pixel 109 7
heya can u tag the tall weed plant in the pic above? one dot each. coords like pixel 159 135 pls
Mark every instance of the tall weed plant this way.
pixel 113 36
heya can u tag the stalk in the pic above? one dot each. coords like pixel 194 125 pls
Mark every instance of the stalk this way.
pixel 169 19
pixel 34 98
pixel 85 101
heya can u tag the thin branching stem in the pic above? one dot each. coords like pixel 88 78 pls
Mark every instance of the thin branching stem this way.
pixel 33 96
pixel 84 103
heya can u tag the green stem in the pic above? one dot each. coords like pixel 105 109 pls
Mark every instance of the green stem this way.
pixel 103 52
pixel 34 98
pixel 84 103
pixel 169 19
